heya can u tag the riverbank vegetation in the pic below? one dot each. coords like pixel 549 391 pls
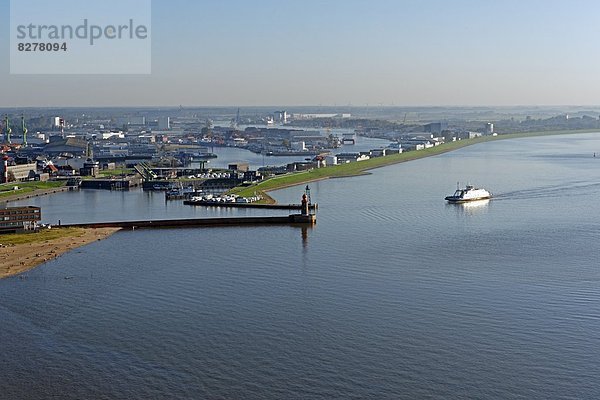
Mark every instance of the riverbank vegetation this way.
pixel 41 235
pixel 8 189
pixel 107 173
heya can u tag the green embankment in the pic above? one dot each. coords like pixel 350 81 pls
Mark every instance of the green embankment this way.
pixel 7 189
pixel 115 172
pixel 42 235
pixel 360 168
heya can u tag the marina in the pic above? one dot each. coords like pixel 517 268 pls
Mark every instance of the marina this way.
pixel 306 216
pixel 248 205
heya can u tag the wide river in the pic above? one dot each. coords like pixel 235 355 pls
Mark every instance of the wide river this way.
pixel 393 294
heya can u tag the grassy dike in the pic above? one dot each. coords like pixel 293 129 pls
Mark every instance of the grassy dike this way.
pixel 6 189
pixel 42 235
pixel 360 168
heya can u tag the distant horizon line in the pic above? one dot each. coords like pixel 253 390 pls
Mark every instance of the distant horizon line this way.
pixel 389 106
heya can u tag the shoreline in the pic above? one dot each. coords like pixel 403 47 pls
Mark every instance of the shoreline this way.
pixel 8 196
pixel 362 167
pixel 21 253
pixel 30 250
pixel 35 193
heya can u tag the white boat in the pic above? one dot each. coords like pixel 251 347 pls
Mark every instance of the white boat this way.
pixel 469 193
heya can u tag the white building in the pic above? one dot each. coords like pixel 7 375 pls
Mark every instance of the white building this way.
pixel 164 123
pixel 331 159
pixel 318 115
pixel 238 142
pixel 147 138
pixel 343 158
pixel 298 146
pixel 281 116
pixel 113 135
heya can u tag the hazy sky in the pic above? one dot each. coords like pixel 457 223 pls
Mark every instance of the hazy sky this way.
pixel 309 52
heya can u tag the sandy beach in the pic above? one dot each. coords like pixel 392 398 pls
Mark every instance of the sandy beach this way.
pixel 20 257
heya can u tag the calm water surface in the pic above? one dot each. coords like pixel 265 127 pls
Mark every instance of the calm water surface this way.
pixel 393 294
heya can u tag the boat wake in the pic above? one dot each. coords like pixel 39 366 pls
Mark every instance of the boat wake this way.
pixel 564 190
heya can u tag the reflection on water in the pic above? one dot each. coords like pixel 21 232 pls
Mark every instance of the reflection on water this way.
pixel 475 205
pixel 470 207
pixel 304 237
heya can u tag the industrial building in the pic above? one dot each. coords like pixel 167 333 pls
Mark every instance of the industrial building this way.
pixel 57 145
pixel 435 127
pixel 240 167
pixel 20 172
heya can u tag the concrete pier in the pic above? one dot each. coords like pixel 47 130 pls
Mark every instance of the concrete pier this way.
pixel 304 218
pixel 199 222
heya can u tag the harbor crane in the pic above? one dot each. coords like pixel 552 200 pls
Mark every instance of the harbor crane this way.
pixel 8 130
